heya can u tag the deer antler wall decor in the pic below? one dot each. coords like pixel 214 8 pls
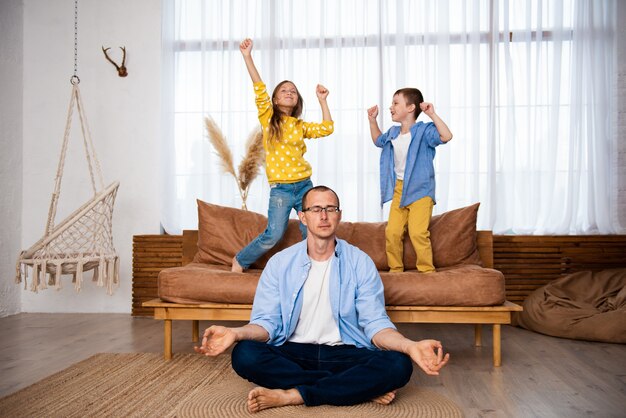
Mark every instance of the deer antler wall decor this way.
pixel 121 69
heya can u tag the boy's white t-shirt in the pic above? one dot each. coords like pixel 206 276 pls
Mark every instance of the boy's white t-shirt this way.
pixel 316 324
pixel 400 151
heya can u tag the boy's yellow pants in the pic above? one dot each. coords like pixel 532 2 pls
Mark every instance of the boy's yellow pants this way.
pixel 417 217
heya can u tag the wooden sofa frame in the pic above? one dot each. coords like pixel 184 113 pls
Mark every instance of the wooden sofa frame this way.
pixel 479 315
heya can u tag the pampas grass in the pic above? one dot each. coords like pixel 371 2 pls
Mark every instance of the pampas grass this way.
pixel 248 168
pixel 218 140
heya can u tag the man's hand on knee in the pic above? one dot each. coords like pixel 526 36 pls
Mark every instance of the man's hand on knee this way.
pixel 216 340
pixel 428 355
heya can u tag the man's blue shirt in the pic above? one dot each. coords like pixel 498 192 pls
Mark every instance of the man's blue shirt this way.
pixel 419 173
pixel 356 294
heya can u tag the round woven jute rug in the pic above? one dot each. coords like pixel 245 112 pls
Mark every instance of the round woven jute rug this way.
pixel 228 400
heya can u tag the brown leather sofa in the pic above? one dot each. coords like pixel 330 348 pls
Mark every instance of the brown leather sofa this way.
pixel 464 289
pixel 461 279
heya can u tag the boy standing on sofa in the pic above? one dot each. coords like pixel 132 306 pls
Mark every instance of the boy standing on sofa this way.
pixel 407 173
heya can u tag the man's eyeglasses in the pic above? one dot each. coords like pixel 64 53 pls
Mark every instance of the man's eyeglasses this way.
pixel 319 209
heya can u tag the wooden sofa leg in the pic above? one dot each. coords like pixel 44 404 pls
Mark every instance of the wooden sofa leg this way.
pixel 497 355
pixel 478 335
pixel 167 346
pixel 195 332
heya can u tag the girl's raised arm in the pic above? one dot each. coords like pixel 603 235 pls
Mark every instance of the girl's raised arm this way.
pixel 246 50
pixel 322 94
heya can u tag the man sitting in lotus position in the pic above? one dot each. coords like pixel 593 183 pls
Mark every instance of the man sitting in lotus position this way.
pixel 319 333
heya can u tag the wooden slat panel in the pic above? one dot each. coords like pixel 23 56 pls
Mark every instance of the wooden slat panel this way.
pixel 530 261
pixel 527 261
pixel 151 254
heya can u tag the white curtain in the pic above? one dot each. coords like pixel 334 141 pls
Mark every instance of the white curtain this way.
pixel 525 86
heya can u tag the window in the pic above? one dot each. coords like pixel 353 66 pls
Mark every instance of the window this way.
pixel 521 84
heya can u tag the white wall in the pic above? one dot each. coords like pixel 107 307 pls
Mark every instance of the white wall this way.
pixel 124 119
pixel 11 69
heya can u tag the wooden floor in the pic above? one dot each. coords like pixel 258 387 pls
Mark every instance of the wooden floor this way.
pixel 541 376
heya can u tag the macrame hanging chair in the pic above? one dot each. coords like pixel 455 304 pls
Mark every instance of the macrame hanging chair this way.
pixel 84 240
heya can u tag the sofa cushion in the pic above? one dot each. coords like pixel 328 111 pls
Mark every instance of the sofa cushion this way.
pixel 199 282
pixel 452 237
pixel 460 286
pixel 369 237
pixel 467 285
pixel 224 231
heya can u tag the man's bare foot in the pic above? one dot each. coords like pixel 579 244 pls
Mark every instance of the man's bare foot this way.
pixel 236 268
pixel 385 399
pixel 261 398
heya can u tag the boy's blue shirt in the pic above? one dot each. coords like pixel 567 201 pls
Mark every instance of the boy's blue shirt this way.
pixel 419 173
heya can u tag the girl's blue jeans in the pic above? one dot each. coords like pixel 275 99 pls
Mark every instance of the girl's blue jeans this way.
pixel 283 198
pixel 323 374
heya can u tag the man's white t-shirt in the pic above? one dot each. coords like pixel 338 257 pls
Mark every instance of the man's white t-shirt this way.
pixel 316 324
pixel 400 151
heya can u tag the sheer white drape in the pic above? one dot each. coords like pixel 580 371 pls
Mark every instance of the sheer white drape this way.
pixel 523 85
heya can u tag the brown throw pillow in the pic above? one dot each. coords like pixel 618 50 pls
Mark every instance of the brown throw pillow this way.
pixel 224 231
pixel 369 237
pixel 452 237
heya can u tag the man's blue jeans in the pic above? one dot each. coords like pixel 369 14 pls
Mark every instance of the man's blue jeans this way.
pixel 283 198
pixel 324 375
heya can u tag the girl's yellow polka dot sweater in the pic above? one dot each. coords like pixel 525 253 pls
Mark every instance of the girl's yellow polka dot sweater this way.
pixel 284 160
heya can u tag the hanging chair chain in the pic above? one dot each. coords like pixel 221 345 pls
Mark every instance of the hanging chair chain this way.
pixel 74 79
